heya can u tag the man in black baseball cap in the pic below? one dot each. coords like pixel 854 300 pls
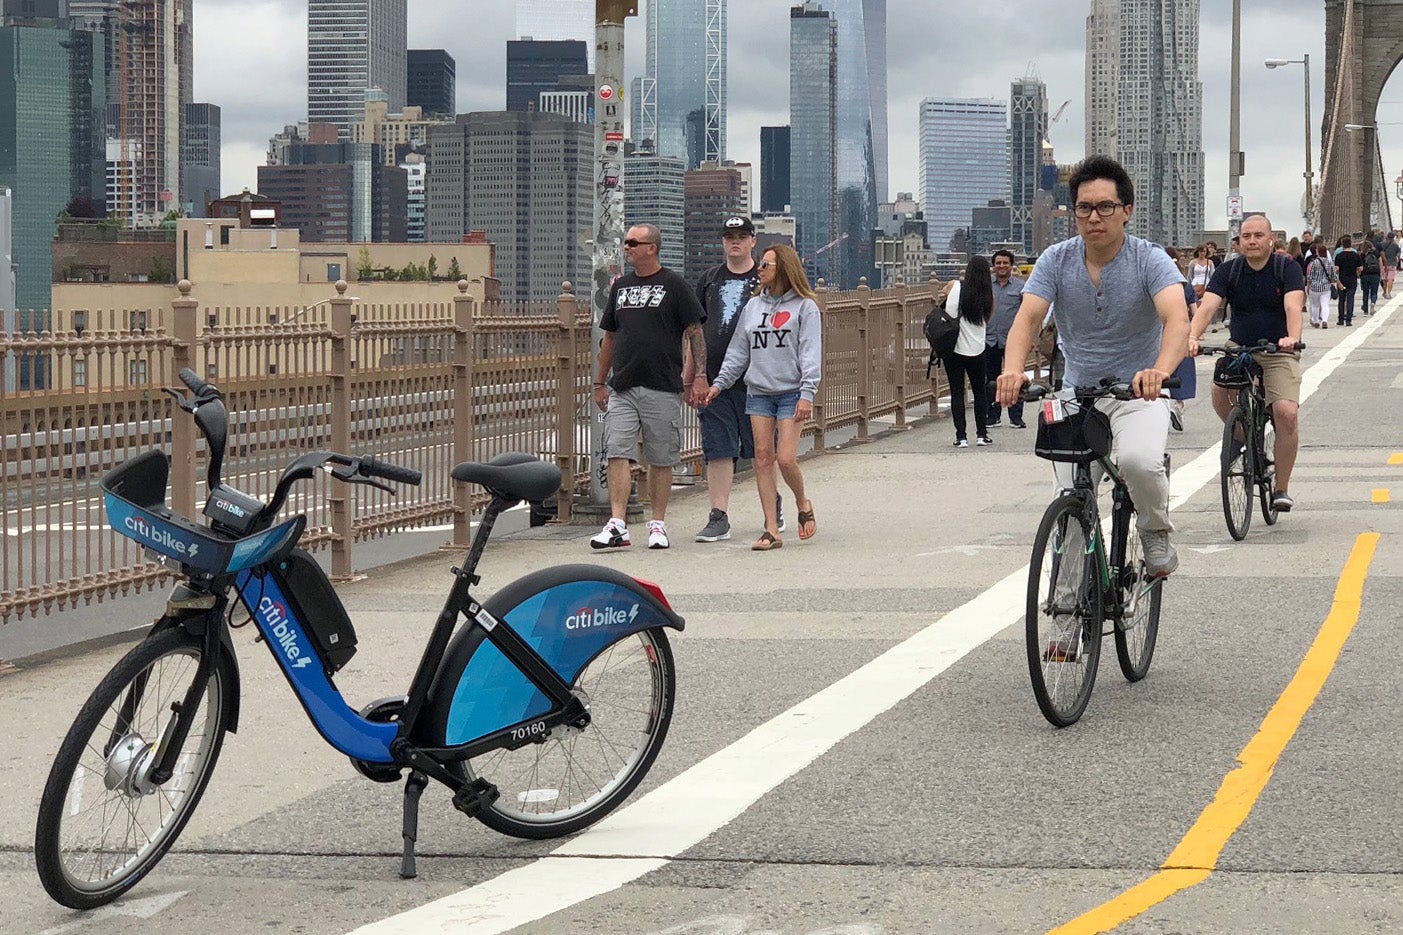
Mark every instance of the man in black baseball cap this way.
pixel 725 428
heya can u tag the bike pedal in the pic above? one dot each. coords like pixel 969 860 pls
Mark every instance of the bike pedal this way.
pixel 474 797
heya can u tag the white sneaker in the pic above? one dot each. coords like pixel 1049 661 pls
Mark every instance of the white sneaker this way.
pixel 614 535
pixel 657 535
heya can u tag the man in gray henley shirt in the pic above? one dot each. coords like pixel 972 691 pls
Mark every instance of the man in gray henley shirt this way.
pixel 1119 305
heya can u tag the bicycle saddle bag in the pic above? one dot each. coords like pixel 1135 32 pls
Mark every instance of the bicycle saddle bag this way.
pixel 1083 433
pixel 304 583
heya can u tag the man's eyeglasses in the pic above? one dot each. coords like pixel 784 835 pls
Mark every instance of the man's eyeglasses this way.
pixel 1104 208
pixel 638 243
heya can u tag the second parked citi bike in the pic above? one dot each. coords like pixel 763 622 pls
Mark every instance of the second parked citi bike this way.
pixel 541 714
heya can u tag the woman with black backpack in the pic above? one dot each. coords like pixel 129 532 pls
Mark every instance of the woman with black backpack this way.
pixel 970 301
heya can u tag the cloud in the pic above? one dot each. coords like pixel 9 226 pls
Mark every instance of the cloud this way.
pixel 250 59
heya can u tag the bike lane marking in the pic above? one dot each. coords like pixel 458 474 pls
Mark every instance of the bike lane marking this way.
pixel 1196 856
pixel 646 834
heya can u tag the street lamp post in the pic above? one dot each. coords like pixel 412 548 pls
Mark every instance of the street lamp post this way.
pixel 1235 126
pixel 1308 205
pixel 1398 190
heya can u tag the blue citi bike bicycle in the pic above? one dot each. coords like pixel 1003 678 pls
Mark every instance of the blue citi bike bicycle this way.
pixel 541 714
pixel 1076 584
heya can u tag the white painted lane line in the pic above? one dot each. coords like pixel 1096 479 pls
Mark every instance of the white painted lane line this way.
pixel 684 811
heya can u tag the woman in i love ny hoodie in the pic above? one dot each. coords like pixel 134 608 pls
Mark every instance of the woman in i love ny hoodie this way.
pixel 778 348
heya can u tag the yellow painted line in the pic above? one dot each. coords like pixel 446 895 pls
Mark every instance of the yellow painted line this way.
pixel 1381 495
pixel 1396 459
pixel 1197 855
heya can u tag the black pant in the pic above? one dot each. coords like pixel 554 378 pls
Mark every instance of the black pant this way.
pixel 957 367
pixel 993 366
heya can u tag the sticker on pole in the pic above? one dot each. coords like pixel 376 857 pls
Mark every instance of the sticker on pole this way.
pixel 606 92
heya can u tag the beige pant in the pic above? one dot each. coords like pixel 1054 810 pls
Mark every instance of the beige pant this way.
pixel 1140 429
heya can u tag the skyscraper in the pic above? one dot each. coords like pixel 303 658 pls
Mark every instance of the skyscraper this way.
pixel 339 193
pixel 199 158
pixel 556 20
pixel 654 194
pixel 680 101
pixel 534 66
pixel 1157 129
pixel 53 98
pixel 774 170
pixel 861 122
pixel 352 46
pixel 1027 133
pixel 963 162
pixel 1102 67
pixel 813 121
pixel 711 194
pixel 538 206
pixel 432 83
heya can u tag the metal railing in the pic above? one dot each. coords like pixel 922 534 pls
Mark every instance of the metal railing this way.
pixel 427 385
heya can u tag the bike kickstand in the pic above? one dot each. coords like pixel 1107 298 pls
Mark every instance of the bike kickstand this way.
pixel 414 787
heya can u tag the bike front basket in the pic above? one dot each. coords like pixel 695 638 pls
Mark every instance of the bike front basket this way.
pixel 1082 434
pixel 1233 373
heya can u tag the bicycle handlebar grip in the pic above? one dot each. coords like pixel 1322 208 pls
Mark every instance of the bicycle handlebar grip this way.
pixel 370 467
pixel 1171 383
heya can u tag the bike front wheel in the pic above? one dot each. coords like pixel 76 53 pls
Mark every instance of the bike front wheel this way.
pixel 1238 476
pixel 1064 612
pixel 576 776
pixel 1266 476
pixel 1138 626
pixel 103 824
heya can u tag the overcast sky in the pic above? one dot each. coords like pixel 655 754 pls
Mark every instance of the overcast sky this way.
pixel 250 58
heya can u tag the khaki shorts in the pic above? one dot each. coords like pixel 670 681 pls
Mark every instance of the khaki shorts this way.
pixel 656 415
pixel 1281 376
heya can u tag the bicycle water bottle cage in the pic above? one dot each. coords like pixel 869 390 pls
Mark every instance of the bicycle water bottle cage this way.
pixel 134 495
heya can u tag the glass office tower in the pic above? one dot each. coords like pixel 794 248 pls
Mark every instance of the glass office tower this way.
pixel 963 162
pixel 680 100
pixel 813 121
pixel 352 46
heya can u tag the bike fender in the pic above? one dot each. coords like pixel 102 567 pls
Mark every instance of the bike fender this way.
pixel 568 614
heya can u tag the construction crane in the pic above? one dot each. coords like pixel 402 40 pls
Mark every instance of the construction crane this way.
pixel 1058 116
pixel 826 247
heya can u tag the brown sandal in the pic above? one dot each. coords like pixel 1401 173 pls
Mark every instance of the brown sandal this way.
pixel 807 521
pixel 767 542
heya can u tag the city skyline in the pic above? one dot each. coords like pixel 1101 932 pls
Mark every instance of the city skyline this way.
pixel 261 85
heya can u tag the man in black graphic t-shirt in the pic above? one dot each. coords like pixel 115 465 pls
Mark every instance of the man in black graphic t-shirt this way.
pixel 651 311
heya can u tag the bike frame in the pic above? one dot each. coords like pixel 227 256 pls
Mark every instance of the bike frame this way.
pixel 1084 487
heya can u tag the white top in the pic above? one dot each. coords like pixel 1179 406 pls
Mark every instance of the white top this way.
pixel 1200 275
pixel 971 340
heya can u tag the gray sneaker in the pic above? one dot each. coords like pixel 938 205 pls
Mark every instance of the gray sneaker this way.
pixel 1160 558
pixel 717 527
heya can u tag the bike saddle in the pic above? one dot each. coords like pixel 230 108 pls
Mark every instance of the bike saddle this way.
pixel 512 476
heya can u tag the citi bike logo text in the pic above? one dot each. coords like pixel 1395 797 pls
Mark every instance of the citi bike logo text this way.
pixel 275 616
pixel 161 537
pixel 586 618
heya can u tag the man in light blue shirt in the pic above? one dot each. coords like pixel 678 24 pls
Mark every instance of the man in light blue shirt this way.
pixel 1120 312
pixel 1008 295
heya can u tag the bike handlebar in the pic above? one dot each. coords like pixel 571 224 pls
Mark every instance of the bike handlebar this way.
pixel 1264 346
pixel 1108 386
pixel 370 467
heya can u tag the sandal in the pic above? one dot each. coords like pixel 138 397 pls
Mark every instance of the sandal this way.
pixel 767 542
pixel 807 524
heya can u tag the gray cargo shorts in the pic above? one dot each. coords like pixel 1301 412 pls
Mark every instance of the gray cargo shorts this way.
pixel 657 415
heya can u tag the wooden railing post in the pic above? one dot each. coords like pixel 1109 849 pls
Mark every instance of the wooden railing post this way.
pixel 567 386
pixel 339 495
pixel 464 351
pixel 864 360
pixel 901 355
pixel 183 432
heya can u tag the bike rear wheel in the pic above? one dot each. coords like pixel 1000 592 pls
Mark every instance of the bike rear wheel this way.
pixel 102 824
pixel 1238 476
pixel 577 776
pixel 1064 612
pixel 1138 626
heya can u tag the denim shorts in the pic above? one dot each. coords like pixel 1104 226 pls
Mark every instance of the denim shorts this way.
pixel 725 427
pixel 776 406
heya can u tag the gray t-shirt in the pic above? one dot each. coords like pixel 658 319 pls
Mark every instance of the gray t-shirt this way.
pixel 1113 331
pixel 1006 301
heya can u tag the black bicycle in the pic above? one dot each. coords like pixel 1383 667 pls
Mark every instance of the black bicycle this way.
pixel 1247 460
pixel 1074 584
pixel 541 714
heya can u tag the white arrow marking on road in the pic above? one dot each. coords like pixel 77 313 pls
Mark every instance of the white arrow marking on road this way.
pixel 139 908
pixel 645 835
pixel 970 550
pixel 1211 549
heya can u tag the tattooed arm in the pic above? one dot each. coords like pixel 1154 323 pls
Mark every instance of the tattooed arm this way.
pixel 693 363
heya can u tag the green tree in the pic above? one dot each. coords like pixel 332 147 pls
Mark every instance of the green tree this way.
pixel 364 270
pixel 162 270
pixel 433 267
pixel 455 272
